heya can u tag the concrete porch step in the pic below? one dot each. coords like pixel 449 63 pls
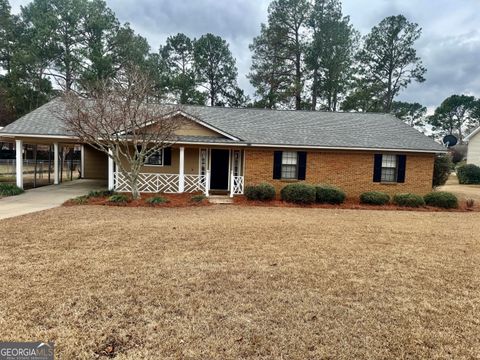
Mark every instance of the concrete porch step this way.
pixel 220 199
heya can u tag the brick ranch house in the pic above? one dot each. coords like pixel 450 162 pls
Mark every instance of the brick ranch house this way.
pixel 220 150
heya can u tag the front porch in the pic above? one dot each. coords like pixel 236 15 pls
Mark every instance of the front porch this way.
pixel 187 170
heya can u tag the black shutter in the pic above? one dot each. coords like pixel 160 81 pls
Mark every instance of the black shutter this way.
pixel 302 165
pixel 377 168
pixel 167 156
pixel 277 165
pixel 402 165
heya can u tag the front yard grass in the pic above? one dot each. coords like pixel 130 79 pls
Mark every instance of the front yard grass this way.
pixel 242 282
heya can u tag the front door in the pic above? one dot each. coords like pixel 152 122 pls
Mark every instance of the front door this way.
pixel 219 169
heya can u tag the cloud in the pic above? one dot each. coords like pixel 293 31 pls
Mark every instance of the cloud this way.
pixel 449 47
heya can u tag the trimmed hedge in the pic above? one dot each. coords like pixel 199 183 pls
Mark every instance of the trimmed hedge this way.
pixel 374 198
pixel 441 199
pixel 409 200
pixel 442 168
pixel 468 174
pixel 299 194
pixel 10 190
pixel 328 194
pixel 262 192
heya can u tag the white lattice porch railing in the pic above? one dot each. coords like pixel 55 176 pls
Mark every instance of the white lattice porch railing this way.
pixel 236 185
pixel 161 183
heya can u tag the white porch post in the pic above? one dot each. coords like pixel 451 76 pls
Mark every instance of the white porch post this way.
pixel 82 161
pixel 111 175
pixel 232 183
pixel 181 172
pixel 207 184
pixel 19 163
pixel 55 164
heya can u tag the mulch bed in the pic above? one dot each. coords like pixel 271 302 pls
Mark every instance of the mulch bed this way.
pixel 174 201
pixel 185 200
pixel 352 204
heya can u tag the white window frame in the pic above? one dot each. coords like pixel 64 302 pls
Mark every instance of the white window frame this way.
pixel 295 177
pixel 162 156
pixel 386 160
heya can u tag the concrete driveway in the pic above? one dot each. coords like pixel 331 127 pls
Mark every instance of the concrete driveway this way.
pixel 46 197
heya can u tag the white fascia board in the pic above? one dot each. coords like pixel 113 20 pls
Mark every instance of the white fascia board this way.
pixel 472 134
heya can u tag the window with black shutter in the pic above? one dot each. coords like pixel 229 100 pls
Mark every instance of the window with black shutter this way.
pixel 289 165
pixel 389 168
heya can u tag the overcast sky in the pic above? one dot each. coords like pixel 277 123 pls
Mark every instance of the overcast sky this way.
pixel 449 47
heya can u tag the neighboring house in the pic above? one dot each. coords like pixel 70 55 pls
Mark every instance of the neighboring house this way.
pixel 223 149
pixel 473 154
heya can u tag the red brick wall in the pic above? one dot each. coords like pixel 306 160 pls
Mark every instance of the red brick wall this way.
pixel 350 170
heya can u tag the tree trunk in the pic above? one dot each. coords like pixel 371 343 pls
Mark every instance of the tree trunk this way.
pixel 314 89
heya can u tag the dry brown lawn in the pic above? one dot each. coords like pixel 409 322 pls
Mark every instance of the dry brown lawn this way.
pixel 243 282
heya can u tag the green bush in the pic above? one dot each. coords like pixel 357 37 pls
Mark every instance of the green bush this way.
pixel 198 198
pixel 327 194
pixel 468 174
pixel 409 200
pixel 299 193
pixel 442 168
pixel 374 198
pixel 157 200
pixel 441 199
pixel 80 200
pixel 100 193
pixel 118 199
pixel 262 192
pixel 10 190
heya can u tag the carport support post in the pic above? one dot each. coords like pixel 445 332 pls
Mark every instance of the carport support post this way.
pixel 111 175
pixel 55 164
pixel 19 163
pixel 181 173
pixel 82 162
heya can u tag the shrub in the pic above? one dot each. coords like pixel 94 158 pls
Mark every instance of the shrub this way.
pixel 374 198
pixel 441 199
pixel 262 192
pixel 157 200
pixel 299 193
pixel 468 174
pixel 10 190
pixel 118 199
pixel 198 198
pixel 80 200
pixel 327 194
pixel 408 200
pixel 442 168
pixel 100 193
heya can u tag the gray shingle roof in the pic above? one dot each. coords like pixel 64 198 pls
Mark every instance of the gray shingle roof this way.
pixel 272 127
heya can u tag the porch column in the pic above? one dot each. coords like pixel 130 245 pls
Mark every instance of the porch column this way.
pixel 55 164
pixel 111 174
pixel 82 162
pixel 181 172
pixel 19 163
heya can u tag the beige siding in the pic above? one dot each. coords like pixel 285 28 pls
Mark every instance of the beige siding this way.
pixel 191 163
pixel 96 164
pixel 473 156
pixel 191 128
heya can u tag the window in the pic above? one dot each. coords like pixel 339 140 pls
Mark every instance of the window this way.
pixel 389 168
pixel 155 159
pixel 289 165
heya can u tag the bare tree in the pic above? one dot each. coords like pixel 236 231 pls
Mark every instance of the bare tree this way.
pixel 119 118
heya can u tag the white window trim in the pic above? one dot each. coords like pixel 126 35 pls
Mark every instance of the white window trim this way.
pixel 156 165
pixel 296 168
pixel 395 181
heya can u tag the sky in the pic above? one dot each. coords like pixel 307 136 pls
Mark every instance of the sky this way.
pixel 449 46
